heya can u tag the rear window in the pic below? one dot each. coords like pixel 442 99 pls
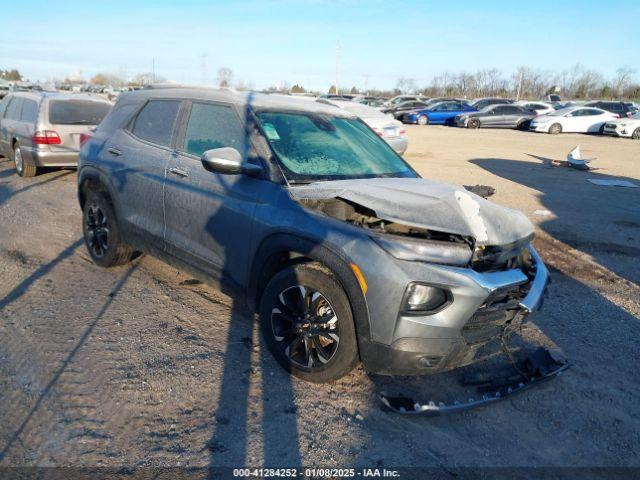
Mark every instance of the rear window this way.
pixel 77 112
pixel 155 121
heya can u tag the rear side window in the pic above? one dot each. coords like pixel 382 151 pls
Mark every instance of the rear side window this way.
pixel 155 121
pixel 212 126
pixel 117 117
pixel 77 112
pixel 3 105
pixel 29 111
pixel 14 109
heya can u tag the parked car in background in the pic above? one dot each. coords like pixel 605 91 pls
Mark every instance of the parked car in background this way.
pixel 438 113
pixel 622 109
pixel 404 98
pixel 302 213
pixel 541 108
pixel 400 109
pixel 41 129
pixel 390 130
pixel 497 116
pixel 572 119
pixel 4 90
pixel 624 127
pixel 481 103
pixel 369 100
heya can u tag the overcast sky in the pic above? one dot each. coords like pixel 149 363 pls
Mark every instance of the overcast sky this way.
pixel 267 42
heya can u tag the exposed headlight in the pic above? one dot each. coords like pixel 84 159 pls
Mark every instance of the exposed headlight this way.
pixel 423 298
pixel 432 251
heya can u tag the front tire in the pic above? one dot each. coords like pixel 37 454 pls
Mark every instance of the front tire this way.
pixel 423 120
pixel 307 324
pixel 24 167
pixel 636 134
pixel 555 129
pixel 101 232
pixel 473 123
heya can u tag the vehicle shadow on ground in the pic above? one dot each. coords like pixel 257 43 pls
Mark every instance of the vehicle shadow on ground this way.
pixel 40 272
pixel 8 193
pixel 17 293
pixel 602 221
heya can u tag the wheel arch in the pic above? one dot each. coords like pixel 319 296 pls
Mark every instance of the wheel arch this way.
pixel 281 250
pixel 92 179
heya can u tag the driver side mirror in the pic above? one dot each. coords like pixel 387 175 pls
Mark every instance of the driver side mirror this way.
pixel 228 160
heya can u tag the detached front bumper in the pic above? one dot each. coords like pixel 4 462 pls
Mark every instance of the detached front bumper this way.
pixel 451 339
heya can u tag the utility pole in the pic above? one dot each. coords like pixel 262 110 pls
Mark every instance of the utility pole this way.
pixel 203 67
pixel 519 86
pixel 366 83
pixel 337 66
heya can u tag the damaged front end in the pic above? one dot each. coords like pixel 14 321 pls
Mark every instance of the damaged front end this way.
pixel 460 274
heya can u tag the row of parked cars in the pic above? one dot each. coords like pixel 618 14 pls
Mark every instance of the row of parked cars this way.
pixel 605 117
pixel 299 211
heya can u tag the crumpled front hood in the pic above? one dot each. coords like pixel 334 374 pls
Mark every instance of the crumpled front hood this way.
pixel 426 204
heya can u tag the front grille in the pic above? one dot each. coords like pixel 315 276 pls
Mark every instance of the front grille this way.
pixel 498 310
pixel 501 307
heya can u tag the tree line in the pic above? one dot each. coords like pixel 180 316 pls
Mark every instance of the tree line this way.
pixel 576 82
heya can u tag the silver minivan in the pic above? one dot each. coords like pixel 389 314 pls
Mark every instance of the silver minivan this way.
pixel 42 129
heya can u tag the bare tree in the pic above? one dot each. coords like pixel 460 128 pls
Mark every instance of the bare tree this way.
pixel 623 79
pixel 224 77
pixel 406 85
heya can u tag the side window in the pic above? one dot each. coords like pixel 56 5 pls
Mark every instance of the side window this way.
pixel 14 109
pixel 3 105
pixel 592 112
pixel 29 111
pixel 212 126
pixel 155 121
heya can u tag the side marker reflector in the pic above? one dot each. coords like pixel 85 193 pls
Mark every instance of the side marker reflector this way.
pixel 356 271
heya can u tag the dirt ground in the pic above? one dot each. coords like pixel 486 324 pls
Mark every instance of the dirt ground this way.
pixel 140 365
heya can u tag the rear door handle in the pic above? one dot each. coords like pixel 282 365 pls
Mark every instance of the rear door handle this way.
pixel 179 172
pixel 114 151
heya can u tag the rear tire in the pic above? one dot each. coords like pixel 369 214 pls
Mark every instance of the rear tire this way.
pixel 555 129
pixel 24 167
pixel 473 123
pixel 307 324
pixel 636 134
pixel 423 120
pixel 101 232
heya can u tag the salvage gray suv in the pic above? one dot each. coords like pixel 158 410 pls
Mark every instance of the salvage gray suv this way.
pixel 303 212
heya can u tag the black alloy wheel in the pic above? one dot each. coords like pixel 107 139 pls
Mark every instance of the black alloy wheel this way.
pixel 305 326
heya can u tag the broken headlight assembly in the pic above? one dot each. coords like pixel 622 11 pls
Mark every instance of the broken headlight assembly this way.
pixel 424 299
pixel 425 250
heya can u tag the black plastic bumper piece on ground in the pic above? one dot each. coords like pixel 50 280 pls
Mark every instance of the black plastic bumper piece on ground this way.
pixel 536 369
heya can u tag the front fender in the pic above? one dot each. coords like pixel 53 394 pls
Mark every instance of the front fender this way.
pixel 276 244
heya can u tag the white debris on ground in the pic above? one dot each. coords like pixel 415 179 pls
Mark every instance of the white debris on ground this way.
pixel 613 183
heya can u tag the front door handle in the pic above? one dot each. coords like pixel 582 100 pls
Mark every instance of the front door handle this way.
pixel 179 172
pixel 114 151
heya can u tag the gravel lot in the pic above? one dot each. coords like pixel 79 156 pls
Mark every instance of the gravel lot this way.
pixel 140 365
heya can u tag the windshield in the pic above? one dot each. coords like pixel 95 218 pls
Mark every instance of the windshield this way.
pixel 77 112
pixel 312 147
